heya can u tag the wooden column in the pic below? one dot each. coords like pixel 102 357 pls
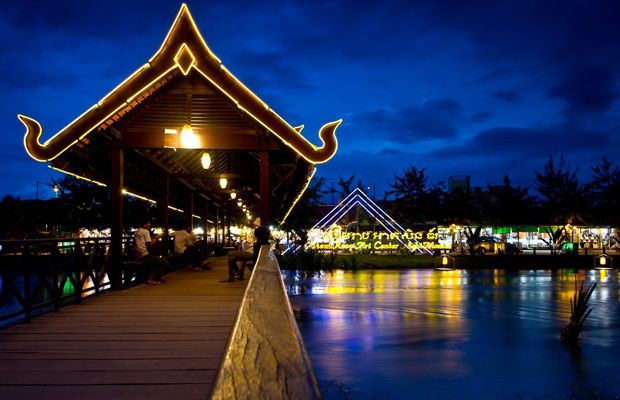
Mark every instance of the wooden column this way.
pixel 228 234
pixel 114 267
pixel 205 227
pixel 189 217
pixel 217 227
pixel 165 222
pixel 265 191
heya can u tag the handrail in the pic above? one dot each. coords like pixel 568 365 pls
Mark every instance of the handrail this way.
pixel 265 357
pixel 41 274
pixel 46 274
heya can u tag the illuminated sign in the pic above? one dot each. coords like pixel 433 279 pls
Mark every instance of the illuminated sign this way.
pixel 358 198
pixel 379 241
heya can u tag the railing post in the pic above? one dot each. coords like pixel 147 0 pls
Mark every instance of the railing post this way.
pixel 77 271
pixel 27 295
pixel 94 252
pixel 57 289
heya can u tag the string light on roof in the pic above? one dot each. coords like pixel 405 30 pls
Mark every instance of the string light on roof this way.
pixel 233 195
pixel 223 183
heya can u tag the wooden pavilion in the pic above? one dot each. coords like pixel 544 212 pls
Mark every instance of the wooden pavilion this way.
pixel 178 127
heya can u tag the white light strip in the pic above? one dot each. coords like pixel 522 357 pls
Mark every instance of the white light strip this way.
pixel 357 197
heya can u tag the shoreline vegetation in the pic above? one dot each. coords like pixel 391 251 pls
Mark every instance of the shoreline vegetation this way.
pixel 315 261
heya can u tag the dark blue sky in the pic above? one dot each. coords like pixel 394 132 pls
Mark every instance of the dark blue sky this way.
pixel 481 88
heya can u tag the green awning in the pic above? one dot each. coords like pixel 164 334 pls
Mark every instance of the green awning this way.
pixel 506 229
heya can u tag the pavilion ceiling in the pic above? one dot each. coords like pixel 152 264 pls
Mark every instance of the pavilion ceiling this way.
pixel 232 138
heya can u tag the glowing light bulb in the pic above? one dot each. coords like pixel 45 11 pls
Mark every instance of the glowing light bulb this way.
pixel 233 195
pixel 206 160
pixel 188 138
pixel 223 183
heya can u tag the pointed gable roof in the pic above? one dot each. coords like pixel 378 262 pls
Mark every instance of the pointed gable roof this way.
pixel 182 51
pixel 184 82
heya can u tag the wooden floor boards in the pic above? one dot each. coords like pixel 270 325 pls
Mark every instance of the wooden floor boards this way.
pixel 146 342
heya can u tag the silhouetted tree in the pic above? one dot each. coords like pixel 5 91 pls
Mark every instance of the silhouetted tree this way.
pixel 562 198
pixel 13 218
pixel 415 201
pixel 604 193
pixel 345 188
pixel 460 207
pixel 82 204
pixel 306 212
pixel 509 205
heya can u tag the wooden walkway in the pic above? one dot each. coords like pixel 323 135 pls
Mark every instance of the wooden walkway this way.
pixel 146 342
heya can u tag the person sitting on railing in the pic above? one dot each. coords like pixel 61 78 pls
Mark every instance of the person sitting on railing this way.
pixel 141 239
pixel 262 234
pixel 185 243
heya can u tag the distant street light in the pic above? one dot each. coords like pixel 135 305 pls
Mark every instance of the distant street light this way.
pixel 56 190
pixel 374 189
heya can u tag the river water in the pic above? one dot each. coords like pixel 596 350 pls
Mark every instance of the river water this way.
pixel 465 334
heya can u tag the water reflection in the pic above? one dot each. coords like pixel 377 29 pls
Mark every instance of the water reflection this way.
pixel 12 293
pixel 450 333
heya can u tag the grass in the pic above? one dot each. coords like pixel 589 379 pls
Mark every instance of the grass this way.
pixel 397 261
pixel 313 261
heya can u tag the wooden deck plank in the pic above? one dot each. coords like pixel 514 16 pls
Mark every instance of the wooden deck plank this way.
pixel 151 342
pixel 112 365
pixel 125 377
pixel 105 392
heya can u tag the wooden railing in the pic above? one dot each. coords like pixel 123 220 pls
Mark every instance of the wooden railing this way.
pixel 266 357
pixel 42 275
pixel 45 274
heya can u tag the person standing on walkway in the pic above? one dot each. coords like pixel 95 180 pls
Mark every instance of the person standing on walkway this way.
pixel 142 239
pixel 262 234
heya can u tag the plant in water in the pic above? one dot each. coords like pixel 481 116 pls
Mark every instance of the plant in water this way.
pixel 330 261
pixel 579 313
pixel 307 262
pixel 340 388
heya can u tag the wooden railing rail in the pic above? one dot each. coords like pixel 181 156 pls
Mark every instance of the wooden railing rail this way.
pixel 41 274
pixel 46 274
pixel 266 357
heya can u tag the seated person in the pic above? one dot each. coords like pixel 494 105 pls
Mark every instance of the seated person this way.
pixel 261 234
pixel 142 239
pixel 185 243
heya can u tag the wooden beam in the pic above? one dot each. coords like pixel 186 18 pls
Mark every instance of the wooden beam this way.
pixel 235 140
pixel 187 175
pixel 284 178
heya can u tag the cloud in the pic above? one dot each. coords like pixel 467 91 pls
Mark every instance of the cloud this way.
pixel 587 88
pixel 509 96
pixel 432 120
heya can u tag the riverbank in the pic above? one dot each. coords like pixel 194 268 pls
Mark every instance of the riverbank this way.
pixel 488 261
